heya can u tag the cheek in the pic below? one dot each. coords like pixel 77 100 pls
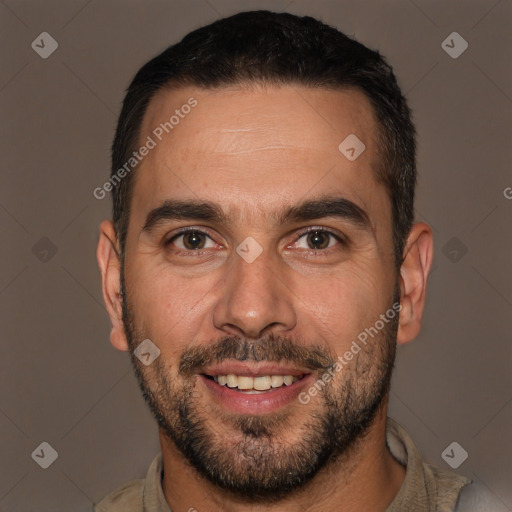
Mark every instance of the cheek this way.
pixel 170 309
pixel 341 305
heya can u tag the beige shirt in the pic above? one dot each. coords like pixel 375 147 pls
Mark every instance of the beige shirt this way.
pixel 426 488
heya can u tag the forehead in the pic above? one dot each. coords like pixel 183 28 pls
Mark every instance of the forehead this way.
pixel 256 147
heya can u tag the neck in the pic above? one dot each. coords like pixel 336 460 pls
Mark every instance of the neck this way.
pixel 365 478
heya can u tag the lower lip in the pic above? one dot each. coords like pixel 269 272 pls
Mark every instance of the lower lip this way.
pixel 261 403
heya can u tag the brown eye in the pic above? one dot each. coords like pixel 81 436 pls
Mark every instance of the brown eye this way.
pixel 191 240
pixel 194 240
pixel 321 240
pixel 318 239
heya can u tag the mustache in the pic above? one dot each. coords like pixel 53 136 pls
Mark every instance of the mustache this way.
pixel 272 348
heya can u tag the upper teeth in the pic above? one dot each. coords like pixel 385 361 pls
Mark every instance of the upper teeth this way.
pixel 258 383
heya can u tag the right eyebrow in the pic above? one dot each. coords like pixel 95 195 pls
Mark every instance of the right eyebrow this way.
pixel 173 209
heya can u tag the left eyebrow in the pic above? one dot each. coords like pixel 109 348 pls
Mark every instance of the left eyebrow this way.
pixel 314 209
pixel 308 210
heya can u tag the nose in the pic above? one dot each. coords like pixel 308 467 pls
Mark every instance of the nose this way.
pixel 255 299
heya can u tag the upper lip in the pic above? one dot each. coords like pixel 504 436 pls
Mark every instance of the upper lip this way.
pixel 248 369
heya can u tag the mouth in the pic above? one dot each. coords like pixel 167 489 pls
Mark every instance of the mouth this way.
pixel 246 388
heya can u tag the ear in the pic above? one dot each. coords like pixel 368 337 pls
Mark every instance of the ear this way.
pixel 109 262
pixel 418 255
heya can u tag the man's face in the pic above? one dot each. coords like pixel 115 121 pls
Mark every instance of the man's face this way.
pixel 266 291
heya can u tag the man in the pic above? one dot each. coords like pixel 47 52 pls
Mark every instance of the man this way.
pixel 262 265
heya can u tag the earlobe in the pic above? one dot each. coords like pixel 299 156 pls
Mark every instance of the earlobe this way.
pixel 109 262
pixel 418 255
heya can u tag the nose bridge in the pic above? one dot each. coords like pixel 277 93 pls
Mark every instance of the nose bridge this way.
pixel 254 298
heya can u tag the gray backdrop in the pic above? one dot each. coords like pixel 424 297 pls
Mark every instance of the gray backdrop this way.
pixel 61 381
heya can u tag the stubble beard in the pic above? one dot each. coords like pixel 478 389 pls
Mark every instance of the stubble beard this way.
pixel 250 457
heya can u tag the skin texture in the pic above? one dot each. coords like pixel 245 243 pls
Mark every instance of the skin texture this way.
pixel 253 151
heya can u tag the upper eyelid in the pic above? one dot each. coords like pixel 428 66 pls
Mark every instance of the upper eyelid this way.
pixel 184 231
pixel 330 231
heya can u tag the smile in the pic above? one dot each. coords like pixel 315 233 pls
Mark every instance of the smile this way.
pixel 254 388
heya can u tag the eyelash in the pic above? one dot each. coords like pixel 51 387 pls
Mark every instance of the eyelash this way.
pixel 342 240
pixel 184 231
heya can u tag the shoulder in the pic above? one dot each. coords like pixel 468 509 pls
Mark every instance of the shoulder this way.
pixel 426 486
pixel 128 498
pixel 477 498
pixel 447 485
